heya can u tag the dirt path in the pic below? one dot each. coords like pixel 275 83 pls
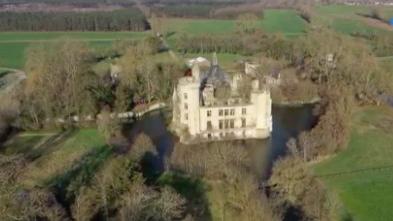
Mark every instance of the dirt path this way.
pixel 53 40
pixel 376 23
pixel 11 80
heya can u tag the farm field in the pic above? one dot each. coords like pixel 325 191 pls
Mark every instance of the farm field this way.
pixel 287 22
pixel 14 44
pixel 351 19
pixel 362 174
pixel 345 19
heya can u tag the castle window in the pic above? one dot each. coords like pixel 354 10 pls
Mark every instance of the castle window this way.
pixel 220 124
pixel 220 112
pixel 209 113
pixel 209 136
pixel 186 116
pixel 226 124
pixel 232 123
pixel 243 122
pixel 232 112
pixel 226 112
pixel 185 96
pixel 186 106
pixel 209 125
pixel 244 111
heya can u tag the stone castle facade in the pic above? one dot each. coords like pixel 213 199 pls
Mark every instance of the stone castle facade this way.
pixel 209 105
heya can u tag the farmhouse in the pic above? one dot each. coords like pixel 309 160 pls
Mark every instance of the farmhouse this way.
pixel 211 105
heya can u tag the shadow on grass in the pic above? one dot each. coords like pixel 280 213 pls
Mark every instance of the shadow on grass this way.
pixel 67 185
pixel 35 145
pixel 192 189
pixel 20 145
pixel 4 73
pixel 50 144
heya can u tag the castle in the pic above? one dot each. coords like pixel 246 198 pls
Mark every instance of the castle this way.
pixel 210 105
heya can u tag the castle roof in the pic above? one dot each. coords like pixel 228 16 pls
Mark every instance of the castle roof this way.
pixel 215 75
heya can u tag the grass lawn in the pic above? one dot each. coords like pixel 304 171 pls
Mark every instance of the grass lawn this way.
pixel 386 63
pixel 14 44
pixel 53 154
pixel 364 179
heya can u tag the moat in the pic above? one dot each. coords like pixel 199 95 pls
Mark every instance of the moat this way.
pixel 287 122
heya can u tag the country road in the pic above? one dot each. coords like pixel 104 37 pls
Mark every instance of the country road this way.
pixel 54 40
pixel 10 80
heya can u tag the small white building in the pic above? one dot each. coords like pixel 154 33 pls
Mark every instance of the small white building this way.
pixel 199 114
pixel 272 78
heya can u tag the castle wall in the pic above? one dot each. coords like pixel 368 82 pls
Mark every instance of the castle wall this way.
pixel 188 104
pixel 235 121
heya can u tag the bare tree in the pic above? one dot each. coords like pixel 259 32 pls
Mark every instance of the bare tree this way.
pixel 247 23
pixel 58 81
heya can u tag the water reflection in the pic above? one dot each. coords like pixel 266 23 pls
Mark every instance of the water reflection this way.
pixel 287 122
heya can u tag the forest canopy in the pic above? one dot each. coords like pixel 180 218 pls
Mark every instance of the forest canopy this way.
pixel 119 20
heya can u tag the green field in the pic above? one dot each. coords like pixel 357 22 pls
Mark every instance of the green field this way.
pixel 350 19
pixel 287 22
pixel 352 10
pixel 362 175
pixel 14 44
pixel 283 21
pixel 345 19
pixel 53 154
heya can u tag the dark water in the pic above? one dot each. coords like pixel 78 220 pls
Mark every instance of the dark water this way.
pixel 287 122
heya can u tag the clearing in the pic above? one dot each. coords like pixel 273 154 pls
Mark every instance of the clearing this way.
pixel 53 154
pixel 362 175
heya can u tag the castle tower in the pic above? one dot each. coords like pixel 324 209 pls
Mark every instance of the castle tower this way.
pixel 214 59
pixel 262 103
pixel 196 72
pixel 188 104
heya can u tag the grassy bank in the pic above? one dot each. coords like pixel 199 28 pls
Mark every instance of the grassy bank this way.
pixel 362 174
pixel 52 154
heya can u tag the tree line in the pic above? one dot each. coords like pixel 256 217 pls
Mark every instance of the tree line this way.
pixel 218 10
pixel 118 20
pixel 229 171
pixel 347 74
pixel 111 188
pixel 61 82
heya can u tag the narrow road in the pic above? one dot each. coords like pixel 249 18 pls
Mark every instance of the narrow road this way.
pixel 54 40
pixel 11 80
